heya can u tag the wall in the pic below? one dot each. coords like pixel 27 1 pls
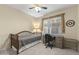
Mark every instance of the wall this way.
pixel 70 14
pixel 12 21
pixel 78 24
pixel 38 20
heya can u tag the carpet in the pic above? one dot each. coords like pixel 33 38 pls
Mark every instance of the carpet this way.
pixel 40 49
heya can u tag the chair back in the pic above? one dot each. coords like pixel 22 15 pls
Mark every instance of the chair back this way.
pixel 48 38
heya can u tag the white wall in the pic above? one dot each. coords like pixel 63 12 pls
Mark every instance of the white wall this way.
pixel 12 21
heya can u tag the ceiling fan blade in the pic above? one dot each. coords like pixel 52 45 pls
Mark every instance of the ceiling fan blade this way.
pixel 44 7
pixel 31 7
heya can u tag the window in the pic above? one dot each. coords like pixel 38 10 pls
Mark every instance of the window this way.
pixel 53 25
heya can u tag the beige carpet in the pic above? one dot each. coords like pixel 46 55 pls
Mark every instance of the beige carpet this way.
pixel 40 49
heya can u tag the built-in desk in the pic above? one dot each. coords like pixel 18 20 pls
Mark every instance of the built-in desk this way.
pixel 59 42
pixel 70 43
pixel 78 46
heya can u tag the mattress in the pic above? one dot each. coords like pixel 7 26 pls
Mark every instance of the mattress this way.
pixel 27 39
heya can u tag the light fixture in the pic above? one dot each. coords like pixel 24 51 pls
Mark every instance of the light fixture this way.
pixel 38 9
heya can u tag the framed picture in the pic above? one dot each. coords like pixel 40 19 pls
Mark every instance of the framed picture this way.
pixel 70 23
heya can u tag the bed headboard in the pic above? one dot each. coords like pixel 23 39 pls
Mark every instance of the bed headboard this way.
pixel 24 33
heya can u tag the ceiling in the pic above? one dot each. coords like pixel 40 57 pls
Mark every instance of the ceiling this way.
pixel 50 8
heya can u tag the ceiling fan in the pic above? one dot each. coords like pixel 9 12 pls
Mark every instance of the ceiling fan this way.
pixel 38 7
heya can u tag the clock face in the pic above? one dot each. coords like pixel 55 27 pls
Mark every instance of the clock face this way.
pixel 70 23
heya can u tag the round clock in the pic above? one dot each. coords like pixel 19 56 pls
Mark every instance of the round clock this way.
pixel 70 23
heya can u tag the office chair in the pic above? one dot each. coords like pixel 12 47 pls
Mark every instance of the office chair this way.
pixel 49 40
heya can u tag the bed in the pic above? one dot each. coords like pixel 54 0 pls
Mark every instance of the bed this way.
pixel 23 38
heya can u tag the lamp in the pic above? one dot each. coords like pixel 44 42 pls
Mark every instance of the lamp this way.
pixel 36 28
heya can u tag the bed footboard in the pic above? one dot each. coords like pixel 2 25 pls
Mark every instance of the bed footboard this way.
pixel 14 41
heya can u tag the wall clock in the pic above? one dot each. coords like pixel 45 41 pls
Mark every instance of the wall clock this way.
pixel 70 23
